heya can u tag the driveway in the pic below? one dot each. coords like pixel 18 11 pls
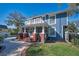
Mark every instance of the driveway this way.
pixel 13 47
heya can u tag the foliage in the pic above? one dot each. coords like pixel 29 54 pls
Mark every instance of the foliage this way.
pixel 73 36
pixel 13 31
pixel 37 50
pixel 72 27
pixel 72 8
pixel 16 19
pixel 56 49
pixel 75 39
pixel 1 37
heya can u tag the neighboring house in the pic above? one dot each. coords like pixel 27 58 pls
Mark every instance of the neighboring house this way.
pixel 4 30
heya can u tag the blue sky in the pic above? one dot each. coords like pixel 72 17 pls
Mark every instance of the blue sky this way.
pixel 28 9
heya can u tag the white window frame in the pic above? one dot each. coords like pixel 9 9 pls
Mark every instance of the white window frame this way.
pixel 54 35
pixel 54 21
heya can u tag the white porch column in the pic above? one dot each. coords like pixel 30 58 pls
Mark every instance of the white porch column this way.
pixel 43 30
pixel 42 36
pixel 34 29
pixel 24 29
pixel 34 35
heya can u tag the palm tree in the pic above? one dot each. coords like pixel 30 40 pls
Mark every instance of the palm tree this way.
pixel 16 19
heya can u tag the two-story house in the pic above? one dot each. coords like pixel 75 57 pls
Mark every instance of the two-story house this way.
pixel 50 25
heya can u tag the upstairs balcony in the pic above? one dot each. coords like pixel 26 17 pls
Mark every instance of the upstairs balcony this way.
pixel 35 21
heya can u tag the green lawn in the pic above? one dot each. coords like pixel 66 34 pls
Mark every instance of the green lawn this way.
pixel 53 49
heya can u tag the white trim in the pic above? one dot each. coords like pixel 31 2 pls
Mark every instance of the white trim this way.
pixel 34 29
pixel 54 35
pixel 43 31
pixel 54 21
pixel 62 26
pixel 55 18
pixel 24 29
pixel 67 18
pixel 62 31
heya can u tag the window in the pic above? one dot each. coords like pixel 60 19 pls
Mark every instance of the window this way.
pixel 61 15
pixel 31 21
pixel 31 30
pixel 52 19
pixel 38 29
pixel 47 17
pixel 43 18
pixel 52 32
pixel 37 20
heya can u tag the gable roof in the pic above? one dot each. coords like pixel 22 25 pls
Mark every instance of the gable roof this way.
pixel 51 14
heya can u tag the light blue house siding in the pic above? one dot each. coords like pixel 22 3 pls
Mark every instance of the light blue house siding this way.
pixel 52 25
pixel 61 21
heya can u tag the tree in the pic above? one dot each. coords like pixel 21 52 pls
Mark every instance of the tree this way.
pixel 72 8
pixel 72 27
pixel 16 19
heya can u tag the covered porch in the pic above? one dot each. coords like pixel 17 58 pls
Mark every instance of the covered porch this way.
pixel 36 32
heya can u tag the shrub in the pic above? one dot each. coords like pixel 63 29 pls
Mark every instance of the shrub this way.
pixel 1 37
pixel 75 39
pixel 13 31
pixel 40 50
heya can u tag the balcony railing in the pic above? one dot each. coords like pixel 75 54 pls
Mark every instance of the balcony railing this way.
pixel 34 21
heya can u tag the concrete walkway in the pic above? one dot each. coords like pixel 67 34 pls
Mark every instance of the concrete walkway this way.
pixel 13 47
